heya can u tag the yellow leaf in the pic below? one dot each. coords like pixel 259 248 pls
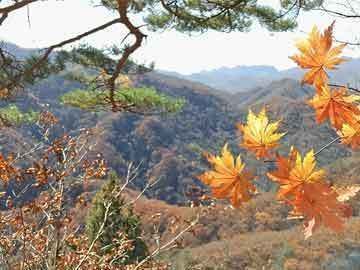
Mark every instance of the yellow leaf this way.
pixel 350 135
pixel 228 179
pixel 260 136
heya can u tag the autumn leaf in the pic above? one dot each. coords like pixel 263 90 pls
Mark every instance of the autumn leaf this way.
pixel 317 54
pixel 303 187
pixel 350 135
pixel 319 201
pixel 336 105
pixel 40 172
pixel 228 179
pixel 294 171
pixel 7 170
pixel 260 136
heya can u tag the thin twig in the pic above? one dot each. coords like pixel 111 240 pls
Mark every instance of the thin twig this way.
pixel 98 234
pixel 166 245
pixel 327 145
pixel 348 87
pixel 316 153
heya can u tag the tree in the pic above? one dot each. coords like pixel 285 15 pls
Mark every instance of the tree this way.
pixel 184 16
pixel 39 233
pixel 122 223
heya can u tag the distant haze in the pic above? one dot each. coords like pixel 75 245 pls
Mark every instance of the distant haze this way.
pixel 169 49
pixel 244 78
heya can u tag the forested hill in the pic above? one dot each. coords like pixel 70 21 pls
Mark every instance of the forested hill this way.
pixel 170 147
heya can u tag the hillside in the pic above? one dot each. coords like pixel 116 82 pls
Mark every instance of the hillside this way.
pixel 170 147
pixel 256 236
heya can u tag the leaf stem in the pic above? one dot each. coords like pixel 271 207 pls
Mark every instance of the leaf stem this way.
pixel 327 145
pixel 348 87
pixel 316 153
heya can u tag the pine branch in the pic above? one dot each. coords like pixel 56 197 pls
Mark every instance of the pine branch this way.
pixel 15 81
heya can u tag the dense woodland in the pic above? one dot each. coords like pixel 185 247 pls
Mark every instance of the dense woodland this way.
pixel 109 164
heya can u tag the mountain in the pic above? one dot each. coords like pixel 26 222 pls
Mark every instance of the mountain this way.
pixel 170 147
pixel 256 236
pixel 19 52
pixel 237 79
pixel 245 78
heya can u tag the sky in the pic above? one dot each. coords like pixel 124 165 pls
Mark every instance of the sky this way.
pixel 54 21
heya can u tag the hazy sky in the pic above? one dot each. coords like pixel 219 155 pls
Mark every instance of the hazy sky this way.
pixel 53 21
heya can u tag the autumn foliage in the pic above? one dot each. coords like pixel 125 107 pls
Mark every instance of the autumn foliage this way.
pixel 259 135
pixel 318 54
pixel 302 185
pixel 229 179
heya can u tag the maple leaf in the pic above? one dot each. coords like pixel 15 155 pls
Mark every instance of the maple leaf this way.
pixel 303 187
pixel 260 136
pixel 317 54
pixel 337 105
pixel 350 135
pixel 294 171
pixel 319 201
pixel 228 179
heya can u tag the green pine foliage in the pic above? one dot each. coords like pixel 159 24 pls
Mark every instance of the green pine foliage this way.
pixel 12 115
pixel 121 220
pixel 143 99
pixel 220 15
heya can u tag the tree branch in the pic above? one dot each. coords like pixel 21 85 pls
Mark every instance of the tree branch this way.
pixel 139 36
pixel 17 5
pixel 337 13
pixel 50 49
pixel 168 244
pixel 327 145
pixel 350 88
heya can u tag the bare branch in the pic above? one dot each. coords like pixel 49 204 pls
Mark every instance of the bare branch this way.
pixel 350 88
pixel 17 5
pixel 168 244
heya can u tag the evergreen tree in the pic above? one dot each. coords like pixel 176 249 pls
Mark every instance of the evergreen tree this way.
pixel 158 15
pixel 120 219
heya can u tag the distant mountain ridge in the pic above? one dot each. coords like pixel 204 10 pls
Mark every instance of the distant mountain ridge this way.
pixel 170 147
pixel 244 78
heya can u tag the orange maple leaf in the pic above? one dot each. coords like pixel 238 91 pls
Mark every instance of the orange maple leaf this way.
pixel 228 179
pixel 259 135
pixel 320 202
pixel 350 135
pixel 293 172
pixel 303 187
pixel 317 54
pixel 336 104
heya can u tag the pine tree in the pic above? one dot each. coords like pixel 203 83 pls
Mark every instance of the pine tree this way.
pixel 184 16
pixel 121 219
